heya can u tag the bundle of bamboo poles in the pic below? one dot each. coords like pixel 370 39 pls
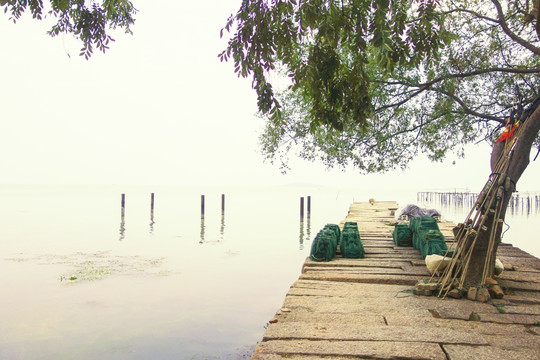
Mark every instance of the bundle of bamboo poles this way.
pixel 490 202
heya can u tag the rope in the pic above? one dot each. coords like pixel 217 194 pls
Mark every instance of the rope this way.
pixel 507 228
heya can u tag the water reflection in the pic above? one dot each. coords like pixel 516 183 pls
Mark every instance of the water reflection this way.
pixel 301 234
pixel 222 228
pixel 122 217
pixel 203 225
pixel 305 231
pixel 122 226
pixel 152 222
pixel 526 204
pixel 308 229
pixel 202 229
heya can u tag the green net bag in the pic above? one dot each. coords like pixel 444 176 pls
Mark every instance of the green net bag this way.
pixel 432 242
pixel 350 243
pixel 419 225
pixel 324 246
pixel 402 235
pixel 336 230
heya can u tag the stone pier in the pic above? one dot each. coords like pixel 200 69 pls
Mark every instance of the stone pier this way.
pixel 366 309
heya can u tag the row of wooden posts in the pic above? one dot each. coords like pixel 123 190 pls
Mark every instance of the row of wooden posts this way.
pixel 203 203
pixel 123 205
pixel 527 203
pixel 222 205
pixel 302 207
pixel 458 199
pixel 152 197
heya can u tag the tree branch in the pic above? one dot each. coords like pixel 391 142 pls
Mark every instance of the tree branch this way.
pixel 460 102
pixel 474 13
pixel 414 128
pixel 535 50
pixel 465 75
pixel 408 98
pixel 428 86
pixel 467 109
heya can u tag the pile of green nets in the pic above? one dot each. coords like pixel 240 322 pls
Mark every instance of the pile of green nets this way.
pixel 351 244
pixel 327 240
pixel 427 236
pixel 325 243
pixel 402 235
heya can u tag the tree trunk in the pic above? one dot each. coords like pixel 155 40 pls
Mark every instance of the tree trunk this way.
pixel 518 162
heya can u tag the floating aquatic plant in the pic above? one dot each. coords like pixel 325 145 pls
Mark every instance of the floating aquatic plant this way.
pixel 95 266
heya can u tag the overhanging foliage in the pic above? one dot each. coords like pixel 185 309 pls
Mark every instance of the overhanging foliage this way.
pixel 372 83
pixel 87 20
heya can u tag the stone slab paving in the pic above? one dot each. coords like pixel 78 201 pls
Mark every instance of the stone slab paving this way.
pixel 315 349
pixel 365 308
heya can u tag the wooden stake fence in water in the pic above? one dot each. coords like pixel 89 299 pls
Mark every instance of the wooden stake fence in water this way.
pixel 524 203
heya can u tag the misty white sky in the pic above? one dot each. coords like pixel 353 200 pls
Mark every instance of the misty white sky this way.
pixel 160 109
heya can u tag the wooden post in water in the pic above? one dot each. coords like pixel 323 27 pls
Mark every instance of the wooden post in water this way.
pixel 123 204
pixel 222 204
pixel 308 225
pixel 302 209
pixel 222 228
pixel 202 220
pixel 202 205
pixel 152 202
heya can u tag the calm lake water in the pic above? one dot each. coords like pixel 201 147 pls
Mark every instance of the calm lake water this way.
pixel 81 282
